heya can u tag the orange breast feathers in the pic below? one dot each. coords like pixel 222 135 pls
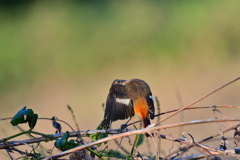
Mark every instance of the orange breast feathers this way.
pixel 141 109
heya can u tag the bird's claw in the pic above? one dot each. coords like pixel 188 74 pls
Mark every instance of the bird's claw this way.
pixel 123 126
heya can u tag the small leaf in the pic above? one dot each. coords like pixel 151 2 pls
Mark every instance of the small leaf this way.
pixel 24 116
pixel 65 138
pixel 32 120
pixel 140 140
pixel 19 117
pixel 63 144
pixel 97 136
pixel 93 136
pixel 99 126
pixel 103 125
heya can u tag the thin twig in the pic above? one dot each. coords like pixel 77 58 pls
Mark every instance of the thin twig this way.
pixel 196 156
pixel 74 118
pixel 181 104
pixel 190 108
pixel 8 152
pixel 58 135
pixel 9 118
pixel 198 100
pixel 25 153
pixel 203 140
pixel 219 151
pixel 59 121
pixel 120 146
pixel 140 131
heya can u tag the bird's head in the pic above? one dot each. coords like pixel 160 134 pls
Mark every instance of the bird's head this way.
pixel 119 81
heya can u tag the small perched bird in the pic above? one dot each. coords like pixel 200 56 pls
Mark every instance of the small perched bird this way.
pixel 127 98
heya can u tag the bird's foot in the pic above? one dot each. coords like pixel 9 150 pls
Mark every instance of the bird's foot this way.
pixel 123 126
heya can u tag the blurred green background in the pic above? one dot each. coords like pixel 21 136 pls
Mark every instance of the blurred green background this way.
pixel 55 53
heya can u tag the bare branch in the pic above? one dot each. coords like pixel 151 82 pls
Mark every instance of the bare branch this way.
pixel 139 131
pixel 203 140
pixel 198 100
pixel 191 108
pixel 71 134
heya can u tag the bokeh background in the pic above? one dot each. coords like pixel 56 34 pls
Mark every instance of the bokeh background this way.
pixel 54 54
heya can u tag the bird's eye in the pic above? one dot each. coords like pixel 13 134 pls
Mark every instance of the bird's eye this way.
pixel 118 81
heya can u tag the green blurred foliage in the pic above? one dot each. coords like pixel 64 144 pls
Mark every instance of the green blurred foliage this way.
pixel 79 38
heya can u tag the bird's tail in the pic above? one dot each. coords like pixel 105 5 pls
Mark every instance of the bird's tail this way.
pixel 146 122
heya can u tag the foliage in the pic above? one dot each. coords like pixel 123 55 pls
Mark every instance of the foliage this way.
pixel 25 116
pixel 63 144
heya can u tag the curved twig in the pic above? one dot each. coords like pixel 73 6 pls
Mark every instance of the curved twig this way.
pixel 198 100
pixel 9 118
pixel 203 140
pixel 190 108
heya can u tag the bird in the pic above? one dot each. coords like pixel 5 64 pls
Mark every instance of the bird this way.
pixel 127 98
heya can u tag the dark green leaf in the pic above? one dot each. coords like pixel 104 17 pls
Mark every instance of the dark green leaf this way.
pixel 140 140
pixel 19 117
pixel 99 126
pixel 63 144
pixel 103 125
pixel 24 116
pixel 32 120
pixel 64 138
pixel 97 136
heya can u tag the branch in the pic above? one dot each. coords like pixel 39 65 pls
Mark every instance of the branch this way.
pixel 203 140
pixel 190 108
pixel 140 131
pixel 198 100
pixel 226 152
pixel 71 134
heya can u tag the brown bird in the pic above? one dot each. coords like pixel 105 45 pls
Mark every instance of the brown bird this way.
pixel 127 98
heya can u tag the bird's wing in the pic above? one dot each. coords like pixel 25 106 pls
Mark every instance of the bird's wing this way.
pixel 118 105
pixel 151 108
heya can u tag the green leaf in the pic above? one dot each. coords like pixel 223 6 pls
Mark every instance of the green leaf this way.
pixel 99 126
pixel 63 144
pixel 19 117
pixel 93 136
pixel 97 136
pixel 103 125
pixel 140 140
pixel 32 120
pixel 25 116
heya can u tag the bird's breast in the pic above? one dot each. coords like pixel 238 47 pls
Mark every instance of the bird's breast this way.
pixel 141 107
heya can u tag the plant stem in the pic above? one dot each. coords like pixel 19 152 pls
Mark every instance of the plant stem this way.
pixel 134 143
pixel 26 132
